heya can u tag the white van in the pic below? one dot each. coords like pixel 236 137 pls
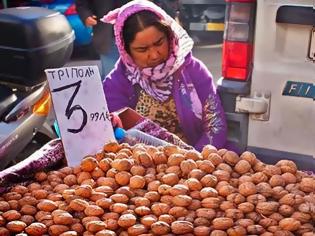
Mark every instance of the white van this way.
pixel 268 83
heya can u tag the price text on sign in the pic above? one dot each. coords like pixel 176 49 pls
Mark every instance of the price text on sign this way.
pixel 81 110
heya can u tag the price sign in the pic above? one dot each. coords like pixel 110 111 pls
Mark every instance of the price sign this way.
pixel 81 110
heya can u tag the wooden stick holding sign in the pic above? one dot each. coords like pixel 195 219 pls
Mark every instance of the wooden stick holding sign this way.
pixel 81 110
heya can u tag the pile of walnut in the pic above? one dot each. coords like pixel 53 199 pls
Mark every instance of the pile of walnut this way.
pixel 144 190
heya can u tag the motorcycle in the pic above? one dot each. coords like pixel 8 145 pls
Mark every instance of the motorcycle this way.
pixel 32 39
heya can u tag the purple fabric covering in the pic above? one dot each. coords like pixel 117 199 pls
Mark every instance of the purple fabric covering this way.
pixel 46 157
pixel 152 128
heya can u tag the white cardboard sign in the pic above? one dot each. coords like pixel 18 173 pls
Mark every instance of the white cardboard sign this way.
pixel 81 110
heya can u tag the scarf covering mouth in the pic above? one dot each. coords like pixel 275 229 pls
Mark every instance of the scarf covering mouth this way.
pixel 156 81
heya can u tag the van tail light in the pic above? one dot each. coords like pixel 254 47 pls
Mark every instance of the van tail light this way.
pixel 71 10
pixel 237 50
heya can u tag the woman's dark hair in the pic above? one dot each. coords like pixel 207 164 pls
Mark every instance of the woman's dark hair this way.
pixel 140 21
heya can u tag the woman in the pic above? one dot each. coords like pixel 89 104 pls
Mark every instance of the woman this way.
pixel 158 77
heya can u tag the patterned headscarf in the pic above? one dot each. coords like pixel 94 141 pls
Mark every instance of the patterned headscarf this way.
pixel 156 81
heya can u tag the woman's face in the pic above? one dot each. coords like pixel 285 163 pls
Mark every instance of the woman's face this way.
pixel 149 48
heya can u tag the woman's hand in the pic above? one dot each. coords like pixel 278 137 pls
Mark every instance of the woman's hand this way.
pixel 90 21
pixel 116 121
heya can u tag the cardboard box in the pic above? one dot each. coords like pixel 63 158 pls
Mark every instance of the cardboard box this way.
pixel 129 117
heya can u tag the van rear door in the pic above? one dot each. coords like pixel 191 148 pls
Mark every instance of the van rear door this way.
pixel 284 69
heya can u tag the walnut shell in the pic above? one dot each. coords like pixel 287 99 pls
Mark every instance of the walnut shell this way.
pixel 95 226
pixel 271 170
pixel 137 182
pixel 27 219
pixel 215 158
pixel 307 185
pixel 182 227
pixel 287 166
pixel 105 232
pixel 242 167
pixel 267 222
pixel 236 198
pixel 276 180
pixel 246 207
pixel 36 229
pixel 192 155
pixel 111 147
pixel 267 208
pixel 247 188
pixel 289 178
pixel 56 230
pixel 206 213
pixel 207 150
pixel 148 220
pixel 254 216
pixel 127 220
pixel 28 210
pixel 160 228
pixel 144 159
pixel 11 215
pixel 63 218
pixel 211 202
pixel 182 200
pixel 78 204
pixel 178 212
pixel 264 189
pixel 175 159
pixel 231 158
pixel 160 208
pixel 301 216
pixel 222 175
pixel 218 233
pixel 93 210
pixel 84 191
pixel 122 164
pixel 234 214
pixel 236 231
pixel 259 177
pixel 206 166
pixel 208 192
pixel 227 205
pixel 88 164
pixel 244 222
pixel 249 157
pixel 4 206
pixel 137 229
pixel 255 229
pixel 202 231
pixel 170 179
pixel 69 233
pixel 286 210
pixel 196 173
pixel 222 223
pixel 104 164
pixel 289 224
pixel 226 190
pixel 187 166
pixel 193 184
pixel 16 226
pixel 209 180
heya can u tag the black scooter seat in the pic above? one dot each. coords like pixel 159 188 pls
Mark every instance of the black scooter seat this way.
pixel 7 98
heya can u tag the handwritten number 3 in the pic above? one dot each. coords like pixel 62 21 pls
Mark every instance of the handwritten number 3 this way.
pixel 70 109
